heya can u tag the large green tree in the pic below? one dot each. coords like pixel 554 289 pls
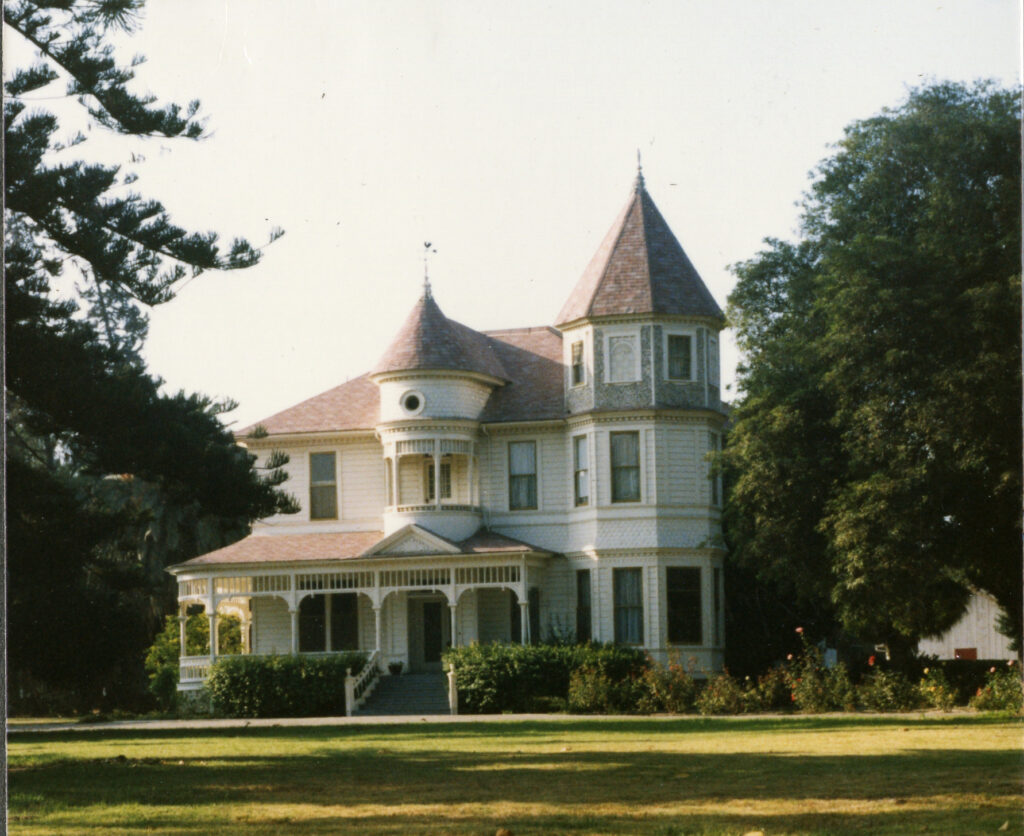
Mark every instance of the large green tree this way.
pixel 109 478
pixel 876 451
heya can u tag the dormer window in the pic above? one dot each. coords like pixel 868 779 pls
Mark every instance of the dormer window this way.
pixel 578 371
pixel 622 357
pixel 680 357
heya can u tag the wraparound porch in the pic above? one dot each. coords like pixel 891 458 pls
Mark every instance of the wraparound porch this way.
pixel 397 609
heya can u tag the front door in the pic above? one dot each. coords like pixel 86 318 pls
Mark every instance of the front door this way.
pixel 428 633
pixel 432 638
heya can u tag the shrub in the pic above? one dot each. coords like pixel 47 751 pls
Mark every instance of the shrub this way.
pixel 668 688
pixel 281 686
pixel 815 688
pixel 935 689
pixel 888 691
pixel 1001 691
pixel 772 692
pixel 162 657
pixel 595 691
pixel 721 695
pixel 494 678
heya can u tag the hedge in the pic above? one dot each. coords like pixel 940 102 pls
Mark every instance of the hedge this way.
pixel 496 678
pixel 281 686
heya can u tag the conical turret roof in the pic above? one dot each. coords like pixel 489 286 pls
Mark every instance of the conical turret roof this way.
pixel 640 268
pixel 429 341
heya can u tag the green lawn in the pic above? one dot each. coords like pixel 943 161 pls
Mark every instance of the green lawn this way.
pixel 937 774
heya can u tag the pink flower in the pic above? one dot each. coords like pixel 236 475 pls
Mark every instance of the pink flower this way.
pixel 1010 662
pixel 992 669
pixel 871 661
pixel 789 657
pixel 800 630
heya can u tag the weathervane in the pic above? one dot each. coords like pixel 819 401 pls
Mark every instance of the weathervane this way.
pixel 639 170
pixel 427 250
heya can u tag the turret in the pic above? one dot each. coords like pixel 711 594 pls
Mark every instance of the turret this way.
pixel 435 379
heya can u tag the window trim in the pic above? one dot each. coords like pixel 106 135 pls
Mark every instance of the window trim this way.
pixel 679 332
pixel 612 467
pixel 714 370
pixel 333 484
pixel 634 335
pixel 535 474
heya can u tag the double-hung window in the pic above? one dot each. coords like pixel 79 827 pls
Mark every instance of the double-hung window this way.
pixel 522 475
pixel 584 633
pixel 629 606
pixel 446 481
pixel 581 470
pixel 625 456
pixel 682 585
pixel 680 357
pixel 578 374
pixel 323 487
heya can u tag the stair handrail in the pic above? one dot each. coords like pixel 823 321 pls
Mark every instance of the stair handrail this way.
pixel 358 688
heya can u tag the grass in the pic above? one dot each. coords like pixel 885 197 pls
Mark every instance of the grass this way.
pixel 795 775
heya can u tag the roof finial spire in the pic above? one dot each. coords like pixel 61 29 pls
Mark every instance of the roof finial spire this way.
pixel 639 172
pixel 426 269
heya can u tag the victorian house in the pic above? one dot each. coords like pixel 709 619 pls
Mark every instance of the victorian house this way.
pixel 502 486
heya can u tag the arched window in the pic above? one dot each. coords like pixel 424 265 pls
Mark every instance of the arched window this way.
pixel 621 359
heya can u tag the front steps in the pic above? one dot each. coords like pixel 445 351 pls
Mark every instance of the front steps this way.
pixel 407 694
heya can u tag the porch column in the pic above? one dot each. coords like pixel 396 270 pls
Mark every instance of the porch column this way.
pixel 377 629
pixel 396 488
pixel 524 621
pixel 469 467
pixel 452 608
pixel 212 616
pixel 182 621
pixel 327 623
pixel 437 473
pixel 294 613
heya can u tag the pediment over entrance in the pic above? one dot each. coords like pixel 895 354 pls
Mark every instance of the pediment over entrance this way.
pixel 412 539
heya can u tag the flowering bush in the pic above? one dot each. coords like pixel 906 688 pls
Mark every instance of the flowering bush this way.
pixel 722 695
pixel 936 691
pixel 771 692
pixel 888 691
pixel 815 688
pixel 1001 691
pixel 668 688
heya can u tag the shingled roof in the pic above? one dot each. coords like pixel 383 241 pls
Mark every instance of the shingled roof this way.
pixel 640 268
pixel 533 392
pixel 340 545
pixel 429 341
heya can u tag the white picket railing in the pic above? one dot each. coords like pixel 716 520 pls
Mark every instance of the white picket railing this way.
pixel 358 688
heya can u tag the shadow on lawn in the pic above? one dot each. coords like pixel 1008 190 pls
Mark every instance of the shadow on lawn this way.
pixel 346 775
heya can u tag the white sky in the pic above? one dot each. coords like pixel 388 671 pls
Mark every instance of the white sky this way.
pixel 506 134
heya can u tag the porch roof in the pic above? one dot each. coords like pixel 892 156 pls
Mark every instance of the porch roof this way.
pixel 343 545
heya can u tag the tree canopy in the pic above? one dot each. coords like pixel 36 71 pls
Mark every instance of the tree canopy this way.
pixel 876 449
pixel 110 479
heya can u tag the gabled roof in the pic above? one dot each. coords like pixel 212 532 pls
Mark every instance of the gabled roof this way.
pixel 351 545
pixel 640 268
pixel 532 357
pixel 429 341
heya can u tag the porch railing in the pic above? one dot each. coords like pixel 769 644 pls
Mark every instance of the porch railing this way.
pixel 193 671
pixel 358 688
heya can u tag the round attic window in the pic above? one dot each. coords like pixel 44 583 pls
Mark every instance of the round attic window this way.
pixel 412 402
